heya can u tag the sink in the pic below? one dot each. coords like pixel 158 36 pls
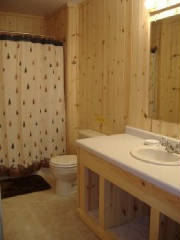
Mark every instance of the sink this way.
pixel 156 155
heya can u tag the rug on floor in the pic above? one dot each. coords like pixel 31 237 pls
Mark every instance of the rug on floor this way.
pixel 18 186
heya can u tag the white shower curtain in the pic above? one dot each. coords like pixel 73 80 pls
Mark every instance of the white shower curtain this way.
pixel 32 108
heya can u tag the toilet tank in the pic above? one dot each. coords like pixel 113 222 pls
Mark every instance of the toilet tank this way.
pixel 88 133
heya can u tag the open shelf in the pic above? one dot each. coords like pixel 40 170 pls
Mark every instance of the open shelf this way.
pixel 119 206
pixel 126 217
pixel 169 229
pixel 92 196
pixel 129 218
pixel 138 229
pixel 94 214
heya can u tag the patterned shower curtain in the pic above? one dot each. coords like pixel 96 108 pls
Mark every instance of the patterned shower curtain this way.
pixel 32 108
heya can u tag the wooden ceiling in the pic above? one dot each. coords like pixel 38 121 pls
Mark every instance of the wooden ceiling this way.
pixel 33 7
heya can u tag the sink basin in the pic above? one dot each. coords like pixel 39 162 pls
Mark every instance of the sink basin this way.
pixel 155 155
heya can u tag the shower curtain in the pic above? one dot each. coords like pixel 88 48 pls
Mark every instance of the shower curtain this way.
pixel 32 108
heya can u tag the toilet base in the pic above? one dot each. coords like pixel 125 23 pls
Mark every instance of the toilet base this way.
pixel 65 188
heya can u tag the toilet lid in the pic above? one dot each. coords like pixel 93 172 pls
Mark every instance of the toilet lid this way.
pixel 64 161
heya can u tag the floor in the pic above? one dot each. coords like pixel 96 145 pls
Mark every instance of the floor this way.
pixel 43 215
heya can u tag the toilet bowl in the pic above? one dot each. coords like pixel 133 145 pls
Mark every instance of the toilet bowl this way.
pixel 64 168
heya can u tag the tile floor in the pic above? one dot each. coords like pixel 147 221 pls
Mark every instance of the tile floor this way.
pixel 43 215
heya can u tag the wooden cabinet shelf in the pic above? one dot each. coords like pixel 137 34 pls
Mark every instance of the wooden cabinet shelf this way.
pixel 138 229
pixel 117 205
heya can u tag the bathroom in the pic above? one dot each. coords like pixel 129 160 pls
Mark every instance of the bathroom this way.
pixel 90 111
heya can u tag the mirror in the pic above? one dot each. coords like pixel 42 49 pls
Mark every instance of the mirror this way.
pixel 164 87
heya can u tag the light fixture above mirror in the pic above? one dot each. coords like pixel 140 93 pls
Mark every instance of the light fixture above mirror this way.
pixel 154 5
pixel 165 14
pixel 160 9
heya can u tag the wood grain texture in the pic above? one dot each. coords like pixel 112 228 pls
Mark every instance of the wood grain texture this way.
pixel 33 7
pixel 139 81
pixel 153 196
pixel 120 207
pixel 104 64
pixel 71 81
pixel 114 67
pixel 169 229
pixel 116 208
pixel 154 224
pixel 22 23
pixel 56 24
pixel 140 33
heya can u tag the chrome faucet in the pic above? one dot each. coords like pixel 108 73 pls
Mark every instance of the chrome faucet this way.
pixel 169 146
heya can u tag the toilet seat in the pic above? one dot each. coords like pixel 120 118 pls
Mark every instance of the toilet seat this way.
pixel 64 161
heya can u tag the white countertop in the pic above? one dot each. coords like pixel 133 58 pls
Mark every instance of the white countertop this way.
pixel 115 149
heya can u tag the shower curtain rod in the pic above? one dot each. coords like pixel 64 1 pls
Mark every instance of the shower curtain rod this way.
pixel 21 33
pixel 34 38
pixel 43 37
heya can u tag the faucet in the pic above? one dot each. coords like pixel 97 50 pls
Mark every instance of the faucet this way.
pixel 169 146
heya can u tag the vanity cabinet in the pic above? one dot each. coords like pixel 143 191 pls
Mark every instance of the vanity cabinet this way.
pixel 116 204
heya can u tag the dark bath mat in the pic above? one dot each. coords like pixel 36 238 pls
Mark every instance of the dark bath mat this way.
pixel 23 185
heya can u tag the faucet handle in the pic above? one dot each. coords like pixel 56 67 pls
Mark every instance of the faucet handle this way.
pixel 163 141
pixel 177 148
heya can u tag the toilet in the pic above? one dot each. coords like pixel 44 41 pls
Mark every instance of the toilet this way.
pixel 64 167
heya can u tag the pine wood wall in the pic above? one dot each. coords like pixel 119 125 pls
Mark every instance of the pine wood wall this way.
pixel 57 24
pixel 139 81
pixel 114 67
pixel 104 64
pixel 22 23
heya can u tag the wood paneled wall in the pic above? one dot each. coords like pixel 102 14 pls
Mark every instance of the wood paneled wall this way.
pixel 114 67
pixel 139 81
pixel 57 24
pixel 104 64
pixel 22 23
pixel 140 35
pixel 63 25
pixel 72 78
